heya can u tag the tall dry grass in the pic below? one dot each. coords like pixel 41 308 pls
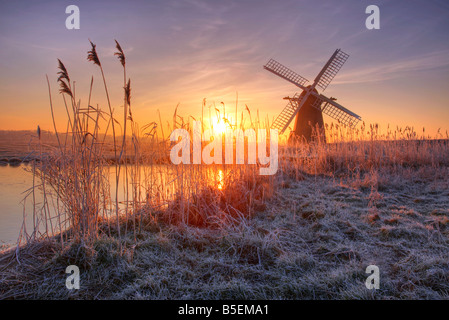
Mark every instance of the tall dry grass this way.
pixel 354 151
pixel 118 209
pixel 97 182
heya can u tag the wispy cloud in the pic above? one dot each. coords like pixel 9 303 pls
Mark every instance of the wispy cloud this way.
pixel 7 41
pixel 396 69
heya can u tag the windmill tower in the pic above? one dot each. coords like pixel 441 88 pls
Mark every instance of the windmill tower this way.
pixel 309 106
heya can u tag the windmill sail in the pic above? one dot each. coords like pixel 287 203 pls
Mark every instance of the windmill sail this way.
pixel 285 73
pixel 286 116
pixel 309 112
pixel 331 68
pixel 336 111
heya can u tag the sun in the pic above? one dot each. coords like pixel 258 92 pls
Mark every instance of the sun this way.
pixel 220 126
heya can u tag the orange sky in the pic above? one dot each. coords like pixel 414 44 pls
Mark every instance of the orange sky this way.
pixel 183 52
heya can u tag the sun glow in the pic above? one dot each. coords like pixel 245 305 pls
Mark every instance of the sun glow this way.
pixel 220 126
pixel 220 179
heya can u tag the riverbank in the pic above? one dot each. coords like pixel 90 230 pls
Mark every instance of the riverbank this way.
pixel 313 239
pixel 309 232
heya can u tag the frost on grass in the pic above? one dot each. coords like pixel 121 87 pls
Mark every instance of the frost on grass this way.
pixel 307 233
pixel 313 240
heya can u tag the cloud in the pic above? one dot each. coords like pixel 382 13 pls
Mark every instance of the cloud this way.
pixel 7 41
pixel 396 69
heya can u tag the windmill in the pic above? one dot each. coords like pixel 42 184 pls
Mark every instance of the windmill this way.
pixel 309 106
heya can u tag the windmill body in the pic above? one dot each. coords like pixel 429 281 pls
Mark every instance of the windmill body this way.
pixel 309 106
pixel 309 123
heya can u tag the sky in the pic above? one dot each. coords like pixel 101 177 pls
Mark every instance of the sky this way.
pixel 181 52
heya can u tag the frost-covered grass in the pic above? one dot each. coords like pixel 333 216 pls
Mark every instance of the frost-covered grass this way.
pixel 311 239
pixel 140 229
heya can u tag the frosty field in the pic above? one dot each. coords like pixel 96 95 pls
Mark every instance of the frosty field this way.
pixel 310 234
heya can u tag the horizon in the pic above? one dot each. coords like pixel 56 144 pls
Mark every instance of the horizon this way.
pixel 182 53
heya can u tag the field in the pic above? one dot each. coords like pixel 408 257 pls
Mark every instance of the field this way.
pixel 139 227
pixel 311 238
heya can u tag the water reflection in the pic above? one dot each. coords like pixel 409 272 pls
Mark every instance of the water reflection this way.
pixel 220 178
pixel 155 185
pixel 14 181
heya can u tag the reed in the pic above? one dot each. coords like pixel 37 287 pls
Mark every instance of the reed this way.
pixel 94 183
pixel 115 206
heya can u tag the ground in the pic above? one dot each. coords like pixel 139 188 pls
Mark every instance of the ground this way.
pixel 313 239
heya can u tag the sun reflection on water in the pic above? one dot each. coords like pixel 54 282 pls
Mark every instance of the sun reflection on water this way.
pixel 220 179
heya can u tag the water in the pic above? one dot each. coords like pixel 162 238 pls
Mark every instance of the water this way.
pixel 14 181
